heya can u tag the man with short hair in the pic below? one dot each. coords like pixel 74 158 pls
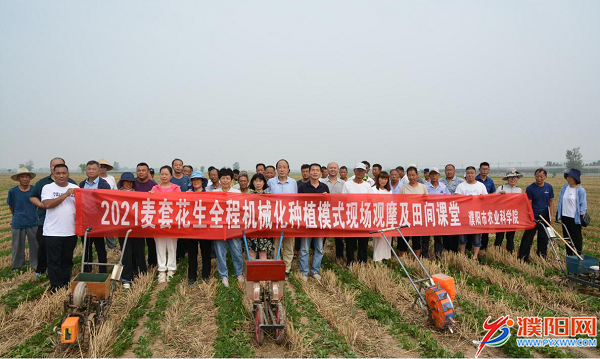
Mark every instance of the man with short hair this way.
pixel 24 219
pixel 451 181
pixel 470 187
pixel 36 199
pixel 395 183
pixel 357 186
pixel 344 173
pixel 312 186
pixel 376 170
pixel 213 176
pixel 434 186
pixel 188 170
pixel 93 181
pixel 269 172
pixel 58 198
pixel 305 173
pixel 324 172
pixel 426 174
pixel 366 178
pixel 261 168
pixel 185 183
pixel 541 195
pixel 284 184
pixel 403 176
pixel 144 183
pixel 335 185
pixel 484 171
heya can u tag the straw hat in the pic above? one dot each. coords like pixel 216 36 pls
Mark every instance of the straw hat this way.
pixel 21 171
pixel 105 162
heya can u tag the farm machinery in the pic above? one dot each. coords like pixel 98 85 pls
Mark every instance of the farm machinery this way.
pixel 90 297
pixel 582 269
pixel 265 283
pixel 434 294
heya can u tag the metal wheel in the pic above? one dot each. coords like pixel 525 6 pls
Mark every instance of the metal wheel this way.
pixel 280 316
pixel 79 294
pixel 259 335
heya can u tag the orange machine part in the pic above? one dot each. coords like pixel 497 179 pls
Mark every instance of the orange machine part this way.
pixel 442 310
pixel 445 282
pixel 69 330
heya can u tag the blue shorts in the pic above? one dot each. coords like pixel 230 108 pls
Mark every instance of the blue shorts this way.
pixel 474 238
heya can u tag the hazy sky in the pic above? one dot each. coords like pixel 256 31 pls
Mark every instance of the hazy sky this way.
pixel 214 82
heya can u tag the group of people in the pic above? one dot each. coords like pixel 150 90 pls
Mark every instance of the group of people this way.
pixel 44 214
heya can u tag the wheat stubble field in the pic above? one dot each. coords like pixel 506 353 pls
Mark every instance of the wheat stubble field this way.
pixel 362 311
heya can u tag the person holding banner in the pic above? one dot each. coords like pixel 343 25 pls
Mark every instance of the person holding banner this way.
pixel 243 183
pixel 312 186
pixel 213 176
pixel 235 244
pixel 93 181
pixel 344 173
pixel 284 184
pixel 471 187
pixel 166 248
pixel 357 185
pixel 434 186
pixel 58 198
pixel 261 245
pixel 451 181
pixel 144 183
pixel 512 176
pixel 133 253
pixel 198 180
pixel 412 187
pixel 381 250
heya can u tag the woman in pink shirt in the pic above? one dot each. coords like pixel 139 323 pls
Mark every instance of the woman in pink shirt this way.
pixel 166 247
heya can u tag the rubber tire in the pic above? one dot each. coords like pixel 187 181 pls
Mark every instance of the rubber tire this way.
pixel 259 335
pixel 279 333
pixel 79 294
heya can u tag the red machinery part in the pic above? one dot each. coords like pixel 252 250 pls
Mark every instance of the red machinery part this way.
pixel 440 304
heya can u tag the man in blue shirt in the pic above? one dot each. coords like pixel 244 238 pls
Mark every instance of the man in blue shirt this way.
pixel 541 195
pixel 24 219
pixel 93 181
pixel 434 186
pixel 284 184
pixel 484 170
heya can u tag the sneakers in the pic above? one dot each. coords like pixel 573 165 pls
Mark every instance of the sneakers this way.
pixel 37 275
pixel 126 285
pixel 170 275
pixel 240 278
pixel 162 277
pixel 304 278
pixel 225 281
pixel 191 281
pixel 316 276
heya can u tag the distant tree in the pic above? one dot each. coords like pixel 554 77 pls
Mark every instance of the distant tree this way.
pixel 596 163
pixel 553 164
pixel 9 170
pixel 202 169
pixel 28 165
pixel 82 167
pixel 116 166
pixel 574 159
pixel 236 166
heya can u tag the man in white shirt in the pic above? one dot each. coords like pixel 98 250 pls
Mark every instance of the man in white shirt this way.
pixel 357 185
pixel 366 177
pixel 470 187
pixel 335 185
pixel 59 227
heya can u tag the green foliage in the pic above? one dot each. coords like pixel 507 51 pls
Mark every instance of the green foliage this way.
pixel 38 345
pixel 25 291
pixel 574 159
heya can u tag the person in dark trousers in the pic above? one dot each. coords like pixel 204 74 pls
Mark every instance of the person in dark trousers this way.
pixel 94 181
pixel 134 256
pixel 191 244
pixel 541 195
pixel 572 205
pixel 144 183
pixel 36 199
pixel 183 181
pixel 58 198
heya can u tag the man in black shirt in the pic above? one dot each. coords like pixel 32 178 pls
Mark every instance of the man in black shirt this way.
pixel 312 186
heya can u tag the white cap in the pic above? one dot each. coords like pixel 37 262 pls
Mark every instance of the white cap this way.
pixel 434 169
pixel 360 166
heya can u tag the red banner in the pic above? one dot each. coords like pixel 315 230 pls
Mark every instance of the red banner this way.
pixel 219 215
